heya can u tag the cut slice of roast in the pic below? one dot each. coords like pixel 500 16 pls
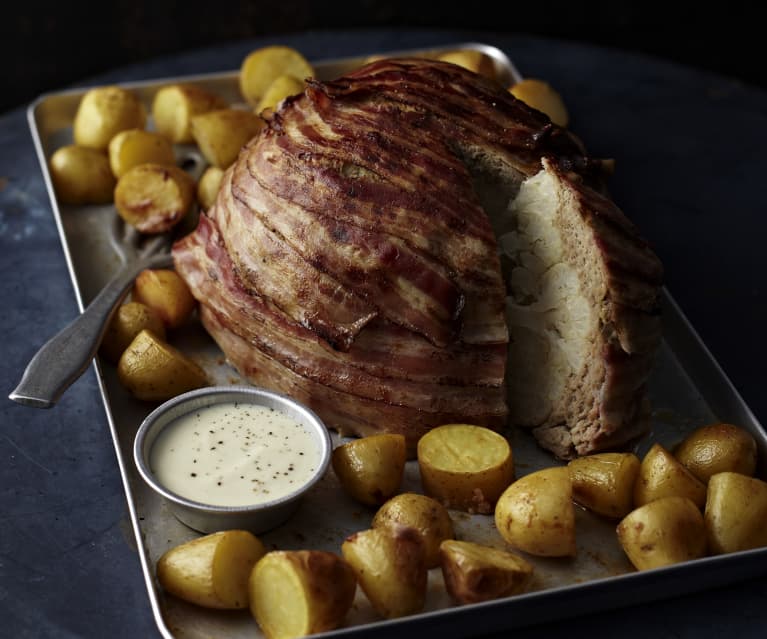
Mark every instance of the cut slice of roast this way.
pixel 356 254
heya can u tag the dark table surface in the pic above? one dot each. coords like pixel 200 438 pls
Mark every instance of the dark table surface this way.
pixel 691 171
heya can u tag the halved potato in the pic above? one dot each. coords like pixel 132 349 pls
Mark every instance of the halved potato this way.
pixel 661 475
pixel 473 572
pixel 541 96
pixel 221 134
pixel 472 60
pixel 465 467
pixel 127 322
pixel 154 197
pixel 208 187
pixel 536 513
pixel 604 482
pixel 105 111
pixel 152 370
pixel 717 448
pixel 132 147
pixel 424 514
pixel 282 87
pixel 390 566
pixel 300 592
pixel 81 175
pixel 262 66
pixel 213 570
pixel 736 513
pixel 175 105
pixel 663 532
pixel 165 292
pixel 371 468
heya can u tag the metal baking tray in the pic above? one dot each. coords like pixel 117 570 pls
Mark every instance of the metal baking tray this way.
pixel 687 389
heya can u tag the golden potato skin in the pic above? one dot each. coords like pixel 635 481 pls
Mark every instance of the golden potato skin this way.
pixel 535 514
pixel 263 66
pixel 221 134
pixel 661 475
pixel 371 468
pixel 211 571
pixel 465 467
pixel 474 573
pixel 736 513
pixel 154 197
pixel 282 87
pixel 81 175
pixel 390 566
pixel 665 531
pixel 541 96
pixel 166 294
pixel 105 111
pixel 604 482
pixel 300 592
pixel 717 448
pixel 424 514
pixel 174 106
pixel 152 370
pixel 127 322
pixel 132 147
pixel 208 187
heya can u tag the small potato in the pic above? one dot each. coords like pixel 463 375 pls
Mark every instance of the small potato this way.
pixel 472 60
pixel 390 567
pixel 175 105
pixel 717 448
pixel 221 134
pixel 475 573
pixel 166 293
pixel 105 111
pixel 604 482
pixel 213 570
pixel 128 321
pixel 81 175
pixel 661 475
pixel 541 96
pixel 536 514
pixel 135 146
pixel 424 514
pixel 465 467
pixel 282 87
pixel 154 371
pixel 666 531
pixel 208 187
pixel 300 592
pixel 153 197
pixel 261 67
pixel 736 513
pixel 371 468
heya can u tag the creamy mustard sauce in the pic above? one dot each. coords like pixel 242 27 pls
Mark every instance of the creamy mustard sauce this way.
pixel 234 454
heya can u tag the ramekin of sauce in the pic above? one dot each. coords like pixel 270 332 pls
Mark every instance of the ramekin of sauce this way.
pixel 232 456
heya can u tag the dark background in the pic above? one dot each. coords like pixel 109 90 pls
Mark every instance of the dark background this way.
pixel 48 45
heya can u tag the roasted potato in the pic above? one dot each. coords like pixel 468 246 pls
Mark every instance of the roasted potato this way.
pixel 154 197
pixel 81 175
pixel 465 467
pixel 472 60
pixel 391 569
pixel 663 532
pixel 132 147
pixel 153 370
pixel 174 106
pixel 736 513
pixel 371 468
pixel 208 187
pixel 541 96
pixel 105 111
pixel 661 475
pixel 166 293
pixel 424 514
pixel 127 322
pixel 300 592
pixel 604 482
pixel 213 570
pixel 717 448
pixel 536 514
pixel 221 134
pixel 282 87
pixel 475 573
pixel 263 66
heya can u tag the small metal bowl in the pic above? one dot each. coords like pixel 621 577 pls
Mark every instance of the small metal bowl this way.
pixel 211 518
